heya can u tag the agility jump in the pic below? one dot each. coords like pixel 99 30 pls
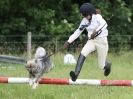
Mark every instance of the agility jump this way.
pixel 61 81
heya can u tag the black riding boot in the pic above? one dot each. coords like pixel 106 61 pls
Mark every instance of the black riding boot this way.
pixel 79 64
pixel 107 68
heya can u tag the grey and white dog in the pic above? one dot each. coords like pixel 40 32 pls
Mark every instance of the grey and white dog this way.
pixel 38 66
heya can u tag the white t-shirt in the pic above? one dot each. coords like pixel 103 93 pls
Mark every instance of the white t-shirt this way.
pixel 97 22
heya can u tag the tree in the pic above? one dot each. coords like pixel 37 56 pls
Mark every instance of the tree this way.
pixel 57 18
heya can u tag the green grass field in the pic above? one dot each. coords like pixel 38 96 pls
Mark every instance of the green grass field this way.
pixel 122 68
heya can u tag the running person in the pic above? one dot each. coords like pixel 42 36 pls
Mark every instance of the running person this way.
pixel 96 27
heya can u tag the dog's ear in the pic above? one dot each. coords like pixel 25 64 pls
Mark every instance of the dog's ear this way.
pixel 27 63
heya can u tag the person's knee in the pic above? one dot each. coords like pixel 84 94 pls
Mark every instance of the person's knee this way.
pixel 84 53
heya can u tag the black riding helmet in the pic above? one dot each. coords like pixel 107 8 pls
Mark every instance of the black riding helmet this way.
pixel 87 9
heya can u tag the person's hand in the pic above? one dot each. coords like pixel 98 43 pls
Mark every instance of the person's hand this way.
pixel 93 35
pixel 66 45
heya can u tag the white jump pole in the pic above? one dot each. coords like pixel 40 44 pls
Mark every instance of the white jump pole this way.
pixel 61 81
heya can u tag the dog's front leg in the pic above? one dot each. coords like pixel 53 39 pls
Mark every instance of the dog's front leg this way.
pixel 36 81
pixel 31 78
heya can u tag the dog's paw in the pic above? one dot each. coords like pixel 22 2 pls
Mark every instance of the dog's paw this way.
pixel 31 82
pixel 34 86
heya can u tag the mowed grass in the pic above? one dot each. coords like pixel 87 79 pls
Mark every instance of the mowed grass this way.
pixel 122 68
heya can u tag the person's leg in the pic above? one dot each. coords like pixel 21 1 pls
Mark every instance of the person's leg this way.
pixel 102 50
pixel 88 48
pixel 80 61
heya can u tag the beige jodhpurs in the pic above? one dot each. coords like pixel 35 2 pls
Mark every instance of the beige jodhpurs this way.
pixel 100 44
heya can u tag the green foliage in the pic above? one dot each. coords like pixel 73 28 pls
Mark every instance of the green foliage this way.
pixel 40 17
pixel 61 17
